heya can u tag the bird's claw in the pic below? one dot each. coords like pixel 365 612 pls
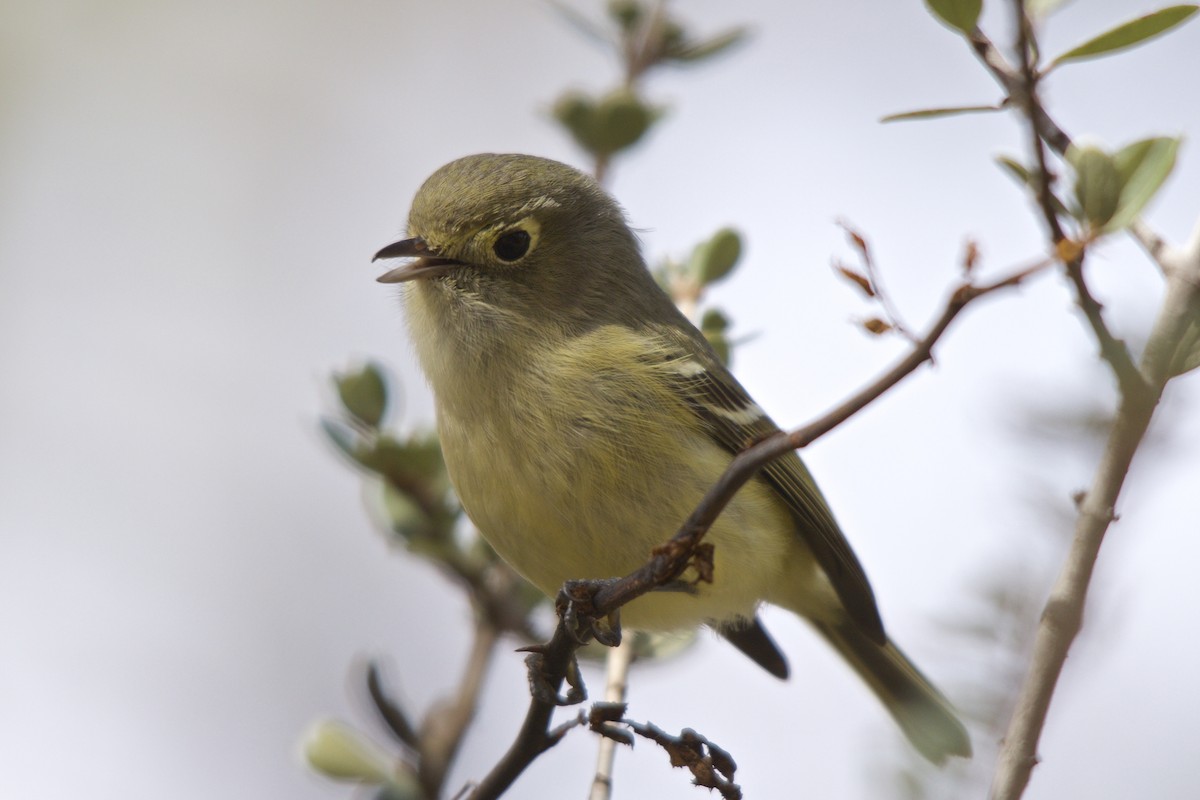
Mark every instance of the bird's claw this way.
pixel 577 610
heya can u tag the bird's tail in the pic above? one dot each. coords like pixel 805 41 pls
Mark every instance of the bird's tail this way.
pixel 925 716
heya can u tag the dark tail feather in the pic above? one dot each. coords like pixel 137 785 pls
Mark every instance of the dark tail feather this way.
pixel 925 716
pixel 752 638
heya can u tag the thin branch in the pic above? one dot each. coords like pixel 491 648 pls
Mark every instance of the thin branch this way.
pixel 617 680
pixel 1063 615
pixel 1021 83
pixel 551 662
pixel 445 725
pixel 1141 387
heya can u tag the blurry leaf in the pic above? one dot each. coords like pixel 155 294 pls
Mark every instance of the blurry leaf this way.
pixel 1131 33
pixel 418 459
pixel 857 278
pixel 970 257
pixel 628 14
pixel 1143 167
pixel 962 15
pixel 946 111
pixel 408 520
pixel 1023 176
pixel 364 394
pixel 715 258
pixel 1097 183
pixel 342 435
pixel 714 326
pixel 1015 168
pixel 692 52
pixel 389 710
pixel 876 326
pixel 615 122
pixel 336 750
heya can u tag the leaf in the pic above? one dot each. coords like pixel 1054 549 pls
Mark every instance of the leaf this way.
pixel 364 394
pixel 876 326
pixel 341 435
pixel 336 750
pixel 857 278
pixel 608 125
pixel 1016 169
pixel 1024 177
pixel 715 258
pixel 962 15
pixel 714 325
pixel 1097 183
pixel 1129 34
pixel 970 257
pixel 934 113
pixel 1143 167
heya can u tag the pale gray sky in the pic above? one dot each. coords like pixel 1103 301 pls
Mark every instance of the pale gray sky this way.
pixel 190 194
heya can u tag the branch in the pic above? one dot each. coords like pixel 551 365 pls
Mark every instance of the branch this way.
pixel 1063 615
pixel 444 728
pixel 551 663
pixel 1021 84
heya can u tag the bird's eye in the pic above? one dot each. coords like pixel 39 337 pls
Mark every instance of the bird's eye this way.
pixel 512 245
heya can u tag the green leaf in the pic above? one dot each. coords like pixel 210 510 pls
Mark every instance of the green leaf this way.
pixel 1016 169
pixel 715 326
pixel 417 460
pixel 962 15
pixel 933 113
pixel 613 123
pixel 364 394
pixel 1024 177
pixel 1143 168
pixel 336 750
pixel 1097 183
pixel 1131 33
pixel 712 260
pixel 341 435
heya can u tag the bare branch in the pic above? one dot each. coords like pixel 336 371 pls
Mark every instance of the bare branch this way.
pixel 1063 614
pixel 444 726
pixel 1141 387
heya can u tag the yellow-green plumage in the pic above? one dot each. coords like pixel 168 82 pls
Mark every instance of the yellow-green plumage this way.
pixel 582 418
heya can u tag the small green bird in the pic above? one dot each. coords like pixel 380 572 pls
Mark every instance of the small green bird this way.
pixel 582 418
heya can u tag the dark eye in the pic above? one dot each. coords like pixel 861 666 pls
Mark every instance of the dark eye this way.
pixel 512 245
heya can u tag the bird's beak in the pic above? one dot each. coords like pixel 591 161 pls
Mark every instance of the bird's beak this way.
pixel 427 262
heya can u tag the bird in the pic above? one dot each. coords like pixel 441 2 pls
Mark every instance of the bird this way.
pixel 582 417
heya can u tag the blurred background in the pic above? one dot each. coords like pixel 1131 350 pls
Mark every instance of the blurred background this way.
pixel 190 194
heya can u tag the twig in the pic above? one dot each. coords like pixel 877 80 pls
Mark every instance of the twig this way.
pixel 444 727
pixel 619 659
pixel 554 659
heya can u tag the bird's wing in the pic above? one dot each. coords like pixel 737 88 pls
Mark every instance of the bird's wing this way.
pixel 736 422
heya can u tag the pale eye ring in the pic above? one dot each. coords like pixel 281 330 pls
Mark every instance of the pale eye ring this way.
pixel 512 245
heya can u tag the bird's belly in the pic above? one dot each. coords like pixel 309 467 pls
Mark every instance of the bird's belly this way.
pixel 591 511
